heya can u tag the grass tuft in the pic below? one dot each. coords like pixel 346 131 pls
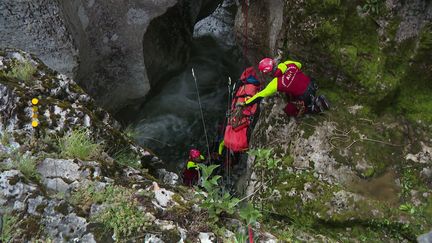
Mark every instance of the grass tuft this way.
pixel 27 166
pixel 22 71
pixel 127 158
pixel 79 145
pixel 121 213
pixel 9 228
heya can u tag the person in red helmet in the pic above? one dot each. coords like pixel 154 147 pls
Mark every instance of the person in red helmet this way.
pixel 191 172
pixel 289 79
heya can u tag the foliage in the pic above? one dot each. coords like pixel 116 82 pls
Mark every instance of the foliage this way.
pixel 264 159
pixel 79 145
pixel 121 213
pixel 371 6
pixel 9 227
pixel 127 158
pixel 130 132
pixel 5 137
pixel 407 207
pixel 240 237
pixel 22 71
pixel 216 201
pixel 249 214
pixel 124 218
pixel 27 166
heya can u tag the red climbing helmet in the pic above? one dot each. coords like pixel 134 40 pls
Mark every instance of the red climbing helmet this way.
pixel 266 65
pixel 194 154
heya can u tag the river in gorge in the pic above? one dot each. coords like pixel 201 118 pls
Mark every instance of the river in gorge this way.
pixel 170 122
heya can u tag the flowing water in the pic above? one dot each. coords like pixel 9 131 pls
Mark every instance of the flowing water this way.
pixel 170 121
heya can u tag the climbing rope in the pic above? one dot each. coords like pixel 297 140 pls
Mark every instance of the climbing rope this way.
pixel 245 44
pixel 202 114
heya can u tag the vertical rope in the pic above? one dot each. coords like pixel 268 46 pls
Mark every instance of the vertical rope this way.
pixel 245 44
pixel 202 114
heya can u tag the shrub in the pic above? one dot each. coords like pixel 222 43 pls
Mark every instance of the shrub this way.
pixel 78 144
pixel 127 158
pixel 121 214
pixel 216 201
pixel 9 228
pixel 22 71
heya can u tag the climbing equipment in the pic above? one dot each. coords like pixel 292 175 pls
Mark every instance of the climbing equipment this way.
pixel 245 13
pixel 201 110
pixel 266 65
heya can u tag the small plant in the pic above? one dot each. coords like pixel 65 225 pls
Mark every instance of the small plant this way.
pixel 409 208
pixel 124 218
pixel 127 158
pixel 22 71
pixel 371 7
pixel 216 202
pixel 250 214
pixel 5 137
pixel 78 144
pixel 121 213
pixel 264 159
pixel 130 132
pixel 27 166
pixel 9 228
pixel 240 238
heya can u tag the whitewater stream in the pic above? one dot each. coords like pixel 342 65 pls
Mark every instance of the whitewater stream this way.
pixel 170 121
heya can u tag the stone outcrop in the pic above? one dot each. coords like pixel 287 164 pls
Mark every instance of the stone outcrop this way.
pixel 39 27
pixel 116 51
pixel 366 161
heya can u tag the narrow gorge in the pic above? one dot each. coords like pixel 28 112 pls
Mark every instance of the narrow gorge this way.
pixel 99 109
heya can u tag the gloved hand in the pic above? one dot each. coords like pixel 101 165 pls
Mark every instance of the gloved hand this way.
pixel 240 104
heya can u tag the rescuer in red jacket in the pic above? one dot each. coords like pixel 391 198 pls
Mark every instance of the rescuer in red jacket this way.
pixel 191 173
pixel 289 79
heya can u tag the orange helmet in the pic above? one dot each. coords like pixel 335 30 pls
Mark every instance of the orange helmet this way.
pixel 266 65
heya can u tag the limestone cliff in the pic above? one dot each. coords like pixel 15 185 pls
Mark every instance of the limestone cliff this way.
pixel 360 171
pixel 116 51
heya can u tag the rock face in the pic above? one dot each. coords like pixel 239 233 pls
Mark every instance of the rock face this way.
pixel 377 47
pixel 127 48
pixel 62 107
pixel 38 27
pixel 366 161
pixel 46 195
pixel 116 51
